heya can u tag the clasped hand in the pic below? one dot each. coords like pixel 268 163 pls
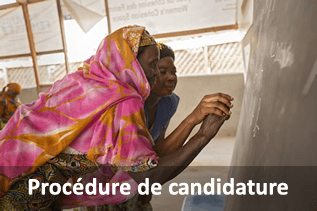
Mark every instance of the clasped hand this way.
pixel 213 110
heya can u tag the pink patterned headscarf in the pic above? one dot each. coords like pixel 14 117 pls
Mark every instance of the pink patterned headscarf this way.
pixel 97 111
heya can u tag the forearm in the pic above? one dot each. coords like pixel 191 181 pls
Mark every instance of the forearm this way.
pixel 176 139
pixel 218 104
pixel 171 165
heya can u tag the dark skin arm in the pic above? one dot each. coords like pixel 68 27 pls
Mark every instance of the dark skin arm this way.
pixel 217 104
pixel 162 134
pixel 171 165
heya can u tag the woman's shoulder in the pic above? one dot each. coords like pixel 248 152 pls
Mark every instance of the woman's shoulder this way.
pixel 169 104
pixel 171 100
pixel 175 97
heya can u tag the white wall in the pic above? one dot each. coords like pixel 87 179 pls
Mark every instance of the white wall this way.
pixel 29 95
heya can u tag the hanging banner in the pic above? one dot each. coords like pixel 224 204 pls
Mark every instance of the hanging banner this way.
pixel 97 6
pixel 13 36
pixel 245 14
pixel 45 28
pixel 84 16
pixel 168 16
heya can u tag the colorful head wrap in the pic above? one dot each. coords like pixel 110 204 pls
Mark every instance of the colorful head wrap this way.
pixel 147 39
pixel 111 130
pixel 165 51
pixel 13 87
pixel 135 39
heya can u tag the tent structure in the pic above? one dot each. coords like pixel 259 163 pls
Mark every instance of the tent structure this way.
pixel 33 28
pixel 25 27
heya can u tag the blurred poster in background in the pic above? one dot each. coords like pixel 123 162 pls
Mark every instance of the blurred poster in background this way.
pixel 169 16
pixel 45 28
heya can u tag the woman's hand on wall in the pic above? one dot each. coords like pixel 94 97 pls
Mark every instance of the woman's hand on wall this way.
pixel 218 104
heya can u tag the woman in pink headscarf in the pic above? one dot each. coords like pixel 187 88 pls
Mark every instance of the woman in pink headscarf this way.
pixel 159 108
pixel 93 118
pixel 90 118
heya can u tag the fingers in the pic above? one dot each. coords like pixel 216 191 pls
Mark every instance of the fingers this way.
pixel 224 98
pixel 218 104
pixel 225 101
pixel 227 96
pixel 218 95
pixel 217 108
pixel 227 117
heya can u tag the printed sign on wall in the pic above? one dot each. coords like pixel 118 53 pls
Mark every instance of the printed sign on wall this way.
pixel 167 16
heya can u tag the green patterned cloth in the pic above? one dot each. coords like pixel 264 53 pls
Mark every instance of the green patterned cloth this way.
pixel 57 170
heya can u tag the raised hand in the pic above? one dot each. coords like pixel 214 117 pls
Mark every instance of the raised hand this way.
pixel 218 104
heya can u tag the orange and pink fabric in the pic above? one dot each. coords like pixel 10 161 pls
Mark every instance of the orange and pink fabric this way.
pixel 97 111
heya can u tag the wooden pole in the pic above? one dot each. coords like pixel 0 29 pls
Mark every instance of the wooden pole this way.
pixel 108 16
pixel 61 23
pixel 31 43
pixel 27 54
pixel 3 7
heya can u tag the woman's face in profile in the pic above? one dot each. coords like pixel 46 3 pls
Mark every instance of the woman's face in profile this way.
pixel 167 79
pixel 148 60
